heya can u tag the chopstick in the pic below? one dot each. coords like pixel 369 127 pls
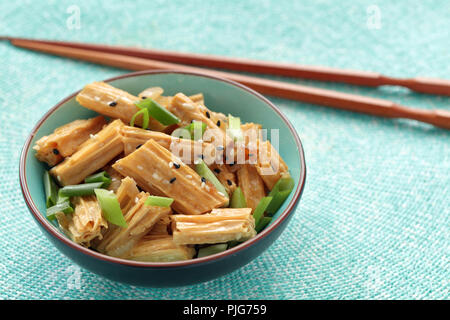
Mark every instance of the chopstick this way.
pixel 351 102
pixel 361 78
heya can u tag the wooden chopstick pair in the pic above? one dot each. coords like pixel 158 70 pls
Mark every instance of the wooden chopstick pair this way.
pixel 145 59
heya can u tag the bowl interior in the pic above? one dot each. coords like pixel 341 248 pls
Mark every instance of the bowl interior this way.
pixel 219 96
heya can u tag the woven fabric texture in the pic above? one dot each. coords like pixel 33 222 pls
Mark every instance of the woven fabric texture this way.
pixel 374 218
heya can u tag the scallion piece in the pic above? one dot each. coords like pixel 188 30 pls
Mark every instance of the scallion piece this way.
pixel 216 248
pixel 279 194
pixel 145 118
pixel 196 129
pixel 234 128
pixel 85 189
pixel 238 199
pixel 51 190
pixel 260 209
pixel 158 201
pixel 263 222
pixel 203 171
pixel 110 207
pixel 64 207
pixel 155 110
pixel 99 177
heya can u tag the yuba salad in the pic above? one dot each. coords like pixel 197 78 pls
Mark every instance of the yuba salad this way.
pixel 160 178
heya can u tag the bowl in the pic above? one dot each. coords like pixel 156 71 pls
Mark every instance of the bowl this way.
pixel 220 95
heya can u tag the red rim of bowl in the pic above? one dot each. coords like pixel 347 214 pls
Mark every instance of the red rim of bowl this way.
pixel 51 229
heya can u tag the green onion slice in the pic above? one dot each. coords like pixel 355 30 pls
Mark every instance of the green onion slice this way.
pixel 85 189
pixel 216 248
pixel 64 207
pixel 51 190
pixel 196 129
pixel 261 208
pixel 263 222
pixel 145 118
pixel 99 177
pixel 203 171
pixel 238 199
pixel 110 207
pixel 279 193
pixel 234 128
pixel 155 110
pixel 158 201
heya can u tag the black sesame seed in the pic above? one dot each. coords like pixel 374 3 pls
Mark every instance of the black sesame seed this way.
pixel 201 156
pixel 139 146
pixel 217 170
pixel 172 180
pixel 208 115
pixel 229 182
pixel 203 179
pixel 231 164
pixel 112 104
pixel 218 123
pixel 176 165
pixel 144 98
pixel 55 151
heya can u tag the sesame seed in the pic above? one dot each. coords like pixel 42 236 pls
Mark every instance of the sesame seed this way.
pixel 112 104
pixel 231 164
pixel 218 123
pixel 203 179
pixel 217 170
pixel 176 165
pixel 55 151
pixel 189 176
pixel 136 200
pixel 229 182
pixel 96 98
pixel 165 181
pixel 144 97
pixel 203 185
pixel 170 164
pixel 207 187
pixel 208 115
pixel 221 193
pixel 172 180
pixel 140 167
pixel 139 146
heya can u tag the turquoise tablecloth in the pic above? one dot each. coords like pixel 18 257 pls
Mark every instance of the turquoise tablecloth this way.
pixel 374 218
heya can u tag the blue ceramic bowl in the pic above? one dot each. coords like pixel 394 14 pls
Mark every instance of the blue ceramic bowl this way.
pixel 220 95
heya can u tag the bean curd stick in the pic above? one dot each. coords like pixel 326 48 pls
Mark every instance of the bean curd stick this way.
pixel 187 150
pixel 160 249
pixel 270 165
pixel 187 111
pixel 85 223
pixel 251 185
pixel 65 140
pixel 221 225
pixel 156 170
pixel 140 219
pixel 112 102
pixel 91 156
